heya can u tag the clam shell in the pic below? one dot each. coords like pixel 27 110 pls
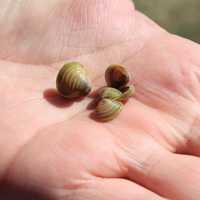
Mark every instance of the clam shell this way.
pixel 127 92
pixel 72 81
pixel 109 93
pixel 108 110
pixel 116 76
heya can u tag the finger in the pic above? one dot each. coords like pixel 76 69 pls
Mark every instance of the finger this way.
pixel 107 189
pixel 173 176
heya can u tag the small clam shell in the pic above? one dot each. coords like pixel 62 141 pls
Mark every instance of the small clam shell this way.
pixel 109 93
pixel 127 92
pixel 72 81
pixel 116 76
pixel 108 110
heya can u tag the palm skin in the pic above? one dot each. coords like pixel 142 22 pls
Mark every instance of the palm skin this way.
pixel 52 148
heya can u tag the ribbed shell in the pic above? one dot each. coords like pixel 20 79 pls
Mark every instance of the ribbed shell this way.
pixel 108 110
pixel 116 76
pixel 109 93
pixel 127 92
pixel 72 81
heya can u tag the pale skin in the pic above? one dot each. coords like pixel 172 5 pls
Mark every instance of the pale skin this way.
pixel 50 148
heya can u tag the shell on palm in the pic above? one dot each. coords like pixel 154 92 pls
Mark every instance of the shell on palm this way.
pixel 116 76
pixel 108 110
pixel 72 81
pixel 109 93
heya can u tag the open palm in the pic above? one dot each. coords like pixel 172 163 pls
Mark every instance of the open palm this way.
pixel 52 149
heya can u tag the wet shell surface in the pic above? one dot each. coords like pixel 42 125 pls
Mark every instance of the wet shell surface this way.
pixel 72 81
pixel 109 93
pixel 116 76
pixel 108 110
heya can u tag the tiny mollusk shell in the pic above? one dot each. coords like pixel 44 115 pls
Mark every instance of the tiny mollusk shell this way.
pixel 108 110
pixel 127 92
pixel 109 93
pixel 116 76
pixel 72 81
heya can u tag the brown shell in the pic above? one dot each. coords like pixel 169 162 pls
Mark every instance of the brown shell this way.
pixel 116 76
pixel 72 81
pixel 108 110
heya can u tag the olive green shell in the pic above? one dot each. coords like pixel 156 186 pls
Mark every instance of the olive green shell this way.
pixel 109 93
pixel 116 76
pixel 127 92
pixel 72 81
pixel 108 110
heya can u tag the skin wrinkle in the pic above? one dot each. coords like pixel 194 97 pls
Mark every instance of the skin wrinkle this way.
pixel 186 84
pixel 62 47
pixel 140 165
pixel 57 38
pixel 173 139
pixel 74 195
pixel 130 57
pixel 193 130
pixel 4 9
pixel 143 167
pixel 168 142
pixel 177 141
pixel 124 149
pixel 71 27
pixel 19 4
pixel 196 81
pixel 45 27
pixel 146 172
pixel 21 30
pixel 99 49
pixel 181 141
pixel 62 37
pixel 187 131
pixel 72 24
pixel 107 46
pixel 13 8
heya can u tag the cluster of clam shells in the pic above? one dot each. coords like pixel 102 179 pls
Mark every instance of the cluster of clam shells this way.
pixel 115 94
pixel 73 82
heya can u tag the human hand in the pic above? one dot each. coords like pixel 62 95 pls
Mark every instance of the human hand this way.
pixel 52 149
